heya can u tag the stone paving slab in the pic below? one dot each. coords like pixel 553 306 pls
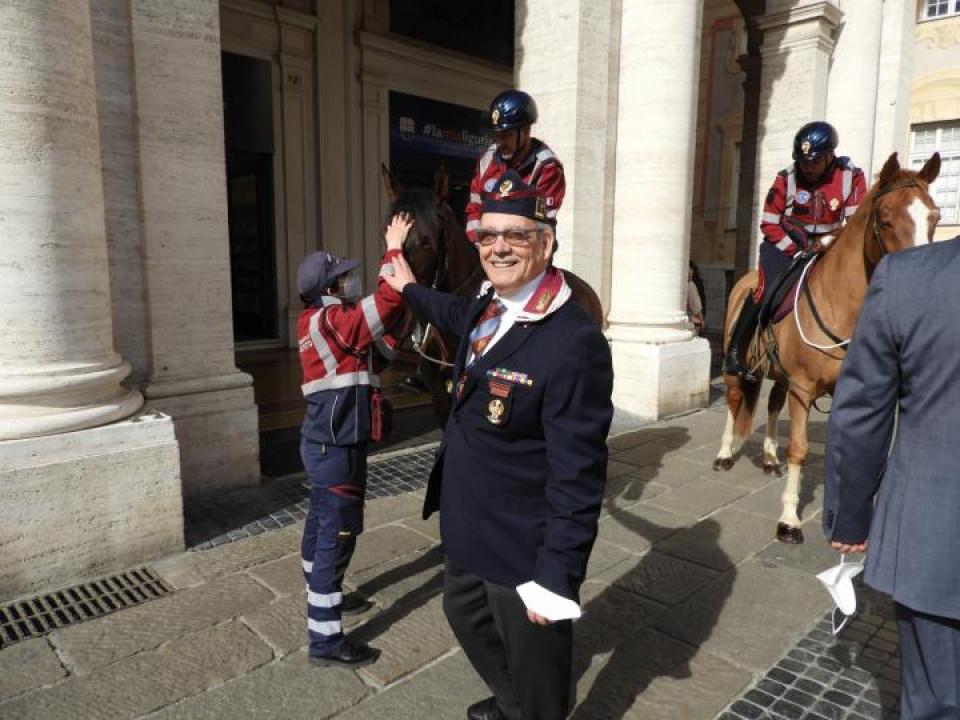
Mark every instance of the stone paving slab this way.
pixel 387 543
pixel 637 527
pixel 720 541
pixel 408 637
pixel 748 615
pixel 191 568
pixel 650 675
pixel 99 642
pixel 698 498
pixel 402 581
pixel 658 577
pixel 283 576
pixel 291 689
pixel 604 556
pixel 391 509
pixel 150 680
pixel 28 665
pixel 766 501
pixel 442 691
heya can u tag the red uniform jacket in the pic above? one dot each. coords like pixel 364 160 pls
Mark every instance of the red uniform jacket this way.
pixel 794 211
pixel 541 169
pixel 342 348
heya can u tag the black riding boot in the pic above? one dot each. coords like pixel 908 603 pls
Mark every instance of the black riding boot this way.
pixel 743 329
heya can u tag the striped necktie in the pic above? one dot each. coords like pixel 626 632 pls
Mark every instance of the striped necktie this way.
pixel 486 328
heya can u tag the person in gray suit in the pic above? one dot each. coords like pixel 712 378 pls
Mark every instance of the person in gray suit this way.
pixel 901 382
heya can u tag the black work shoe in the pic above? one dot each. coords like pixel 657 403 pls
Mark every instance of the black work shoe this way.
pixel 485 710
pixel 355 604
pixel 414 384
pixel 351 654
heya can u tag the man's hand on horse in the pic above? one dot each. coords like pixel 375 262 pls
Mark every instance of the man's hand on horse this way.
pixel 845 548
pixel 402 274
pixel 397 230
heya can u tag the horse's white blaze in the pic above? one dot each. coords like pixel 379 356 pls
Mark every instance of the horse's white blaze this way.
pixel 791 496
pixel 827 240
pixel 920 214
pixel 726 442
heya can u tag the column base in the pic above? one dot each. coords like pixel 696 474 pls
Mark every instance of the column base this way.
pixel 88 503
pixel 218 435
pixel 652 380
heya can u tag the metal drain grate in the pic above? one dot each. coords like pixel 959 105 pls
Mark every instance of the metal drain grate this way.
pixel 43 614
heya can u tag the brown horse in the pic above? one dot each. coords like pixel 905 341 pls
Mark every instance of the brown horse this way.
pixel 441 256
pixel 803 355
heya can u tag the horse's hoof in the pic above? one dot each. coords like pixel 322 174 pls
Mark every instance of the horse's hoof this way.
pixel 789 535
pixel 723 463
pixel 772 469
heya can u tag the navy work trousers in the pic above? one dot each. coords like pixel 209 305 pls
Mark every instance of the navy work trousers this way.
pixel 338 480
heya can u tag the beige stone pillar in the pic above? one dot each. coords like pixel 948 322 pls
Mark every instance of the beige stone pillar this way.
pixel 567 58
pixel 58 368
pixel 892 133
pixel 798 39
pixel 660 367
pixel 106 494
pixel 193 376
pixel 854 72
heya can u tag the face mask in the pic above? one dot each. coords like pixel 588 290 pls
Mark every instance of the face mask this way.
pixel 351 287
pixel 838 581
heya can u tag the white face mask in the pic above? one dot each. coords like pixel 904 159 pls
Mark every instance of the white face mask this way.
pixel 838 581
pixel 351 287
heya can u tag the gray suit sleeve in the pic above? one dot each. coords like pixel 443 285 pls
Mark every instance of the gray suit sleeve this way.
pixel 862 417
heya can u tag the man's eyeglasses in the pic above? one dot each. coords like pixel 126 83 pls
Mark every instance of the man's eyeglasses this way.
pixel 514 237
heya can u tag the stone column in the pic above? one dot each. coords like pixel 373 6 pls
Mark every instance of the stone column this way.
pixel 854 72
pixel 892 132
pixel 747 190
pixel 660 367
pixel 193 376
pixel 567 58
pixel 85 488
pixel 798 39
pixel 58 368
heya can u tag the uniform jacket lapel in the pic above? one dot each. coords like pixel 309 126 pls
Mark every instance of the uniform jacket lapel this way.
pixel 506 346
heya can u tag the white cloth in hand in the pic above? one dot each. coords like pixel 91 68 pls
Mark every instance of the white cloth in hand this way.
pixel 548 604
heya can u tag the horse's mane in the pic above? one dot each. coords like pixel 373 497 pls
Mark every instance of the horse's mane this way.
pixel 419 202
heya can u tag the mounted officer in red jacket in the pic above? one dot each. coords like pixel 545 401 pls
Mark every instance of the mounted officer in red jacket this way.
pixel 511 114
pixel 810 199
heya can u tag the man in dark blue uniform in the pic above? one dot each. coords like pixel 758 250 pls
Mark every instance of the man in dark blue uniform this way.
pixel 523 460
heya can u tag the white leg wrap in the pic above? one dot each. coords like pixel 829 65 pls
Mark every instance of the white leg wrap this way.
pixel 791 496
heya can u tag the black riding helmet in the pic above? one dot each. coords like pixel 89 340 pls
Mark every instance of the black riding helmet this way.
pixel 512 109
pixel 815 139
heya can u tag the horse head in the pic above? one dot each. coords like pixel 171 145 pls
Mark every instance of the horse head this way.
pixel 902 213
pixel 427 243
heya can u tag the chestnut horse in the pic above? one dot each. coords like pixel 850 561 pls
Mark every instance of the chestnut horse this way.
pixel 803 354
pixel 441 256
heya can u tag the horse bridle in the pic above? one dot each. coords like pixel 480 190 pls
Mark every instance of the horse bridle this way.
pixel 874 216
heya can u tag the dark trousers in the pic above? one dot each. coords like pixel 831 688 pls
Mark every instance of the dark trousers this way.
pixel 929 665
pixel 526 666
pixel 773 263
pixel 338 478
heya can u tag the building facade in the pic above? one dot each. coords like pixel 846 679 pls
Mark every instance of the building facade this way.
pixel 165 164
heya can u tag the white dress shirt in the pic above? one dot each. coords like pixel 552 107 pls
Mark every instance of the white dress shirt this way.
pixel 535 597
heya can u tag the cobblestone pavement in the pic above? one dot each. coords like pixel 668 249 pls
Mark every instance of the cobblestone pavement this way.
pixel 691 610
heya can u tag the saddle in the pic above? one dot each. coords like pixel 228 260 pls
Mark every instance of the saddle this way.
pixel 780 300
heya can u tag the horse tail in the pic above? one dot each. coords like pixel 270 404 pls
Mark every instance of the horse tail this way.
pixel 750 392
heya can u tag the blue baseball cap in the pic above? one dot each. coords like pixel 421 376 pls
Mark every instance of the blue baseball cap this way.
pixel 319 271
